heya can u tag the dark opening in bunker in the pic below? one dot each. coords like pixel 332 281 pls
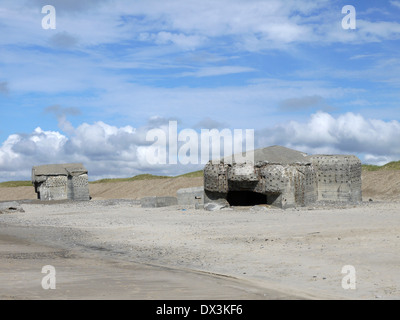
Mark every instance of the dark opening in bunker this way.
pixel 249 198
pixel 70 188
pixel 246 198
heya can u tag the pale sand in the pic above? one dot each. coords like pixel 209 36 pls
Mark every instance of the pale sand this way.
pixel 95 277
pixel 295 252
pixel 115 249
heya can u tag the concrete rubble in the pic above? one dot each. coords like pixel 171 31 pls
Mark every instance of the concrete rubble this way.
pixel 10 207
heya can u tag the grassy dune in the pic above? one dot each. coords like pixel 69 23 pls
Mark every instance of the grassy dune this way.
pixel 150 177
pixel 395 165
pixel 11 184
pixel 135 178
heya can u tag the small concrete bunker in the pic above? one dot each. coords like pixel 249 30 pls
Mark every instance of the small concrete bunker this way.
pixel 283 178
pixel 61 182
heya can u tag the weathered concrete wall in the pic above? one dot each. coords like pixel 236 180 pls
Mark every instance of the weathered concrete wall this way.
pixel 156 202
pixel 53 188
pixel 284 185
pixel 63 188
pixel 295 183
pixel 338 177
pixel 78 188
pixel 190 196
pixel 215 178
pixel 287 177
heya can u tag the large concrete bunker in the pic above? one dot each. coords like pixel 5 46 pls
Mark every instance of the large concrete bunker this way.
pixel 283 178
pixel 61 182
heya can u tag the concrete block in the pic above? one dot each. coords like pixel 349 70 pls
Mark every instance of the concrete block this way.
pixel 157 202
pixel 285 178
pixel 190 196
pixel 61 182
pixel 216 205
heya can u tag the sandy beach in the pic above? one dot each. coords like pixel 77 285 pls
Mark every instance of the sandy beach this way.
pixel 91 275
pixel 114 249
pixel 294 253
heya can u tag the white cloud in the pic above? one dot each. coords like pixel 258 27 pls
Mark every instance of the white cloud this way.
pixel 348 133
pixel 364 56
pixel 68 6
pixel 377 31
pixel 179 39
pixel 110 151
pixel 252 24
pixel 19 151
pixel 395 3
pixel 107 151
pixel 379 160
pixel 217 71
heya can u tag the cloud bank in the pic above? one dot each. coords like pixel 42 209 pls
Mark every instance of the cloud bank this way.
pixel 252 24
pixel 109 151
pixel 374 141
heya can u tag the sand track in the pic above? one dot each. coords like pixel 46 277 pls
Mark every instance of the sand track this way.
pixel 269 253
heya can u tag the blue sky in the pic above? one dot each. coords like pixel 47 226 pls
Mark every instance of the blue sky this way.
pixel 89 90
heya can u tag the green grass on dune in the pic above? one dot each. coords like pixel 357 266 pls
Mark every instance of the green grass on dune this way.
pixel 395 165
pixel 135 178
pixel 11 184
pixel 194 174
pixel 149 177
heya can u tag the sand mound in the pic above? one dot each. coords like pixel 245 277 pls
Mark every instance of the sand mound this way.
pixel 377 185
pixel 142 188
pixel 17 193
pixel 116 190
pixel 381 185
